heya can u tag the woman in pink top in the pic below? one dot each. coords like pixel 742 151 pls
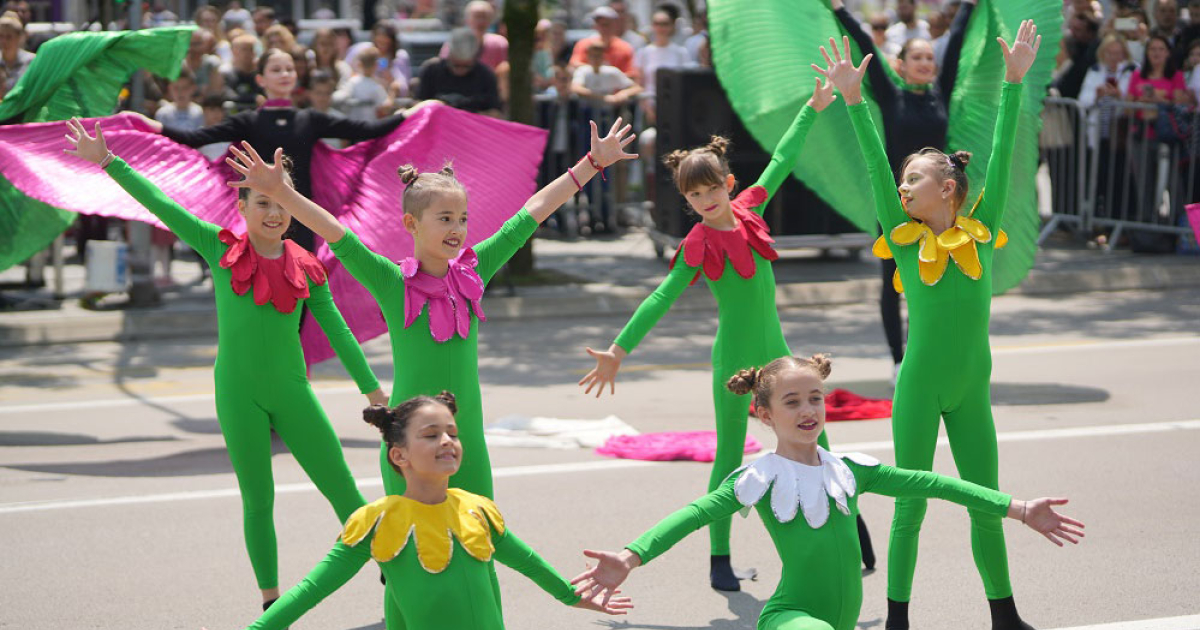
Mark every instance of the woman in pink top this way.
pixel 1158 80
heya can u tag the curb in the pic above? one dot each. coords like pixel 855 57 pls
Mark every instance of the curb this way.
pixel 196 318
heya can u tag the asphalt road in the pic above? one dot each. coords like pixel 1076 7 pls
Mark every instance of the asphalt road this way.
pixel 121 510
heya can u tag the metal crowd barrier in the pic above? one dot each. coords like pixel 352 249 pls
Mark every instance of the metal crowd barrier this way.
pixel 1120 165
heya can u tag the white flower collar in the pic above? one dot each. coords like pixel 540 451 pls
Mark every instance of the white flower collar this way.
pixel 801 487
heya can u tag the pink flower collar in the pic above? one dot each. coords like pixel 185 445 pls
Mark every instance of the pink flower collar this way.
pixel 451 298
pixel 281 281
pixel 708 248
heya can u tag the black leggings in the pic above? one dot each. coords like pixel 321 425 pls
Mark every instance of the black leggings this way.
pixel 889 311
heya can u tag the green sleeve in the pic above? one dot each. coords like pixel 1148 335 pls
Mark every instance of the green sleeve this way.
pixel 883 187
pixel 900 482
pixel 999 173
pixel 657 304
pixel 320 302
pixel 786 153
pixel 496 249
pixel 713 506
pixel 199 235
pixel 378 274
pixel 512 552
pixel 341 564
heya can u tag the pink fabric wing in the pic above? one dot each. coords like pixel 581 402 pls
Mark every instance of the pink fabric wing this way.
pixel 698 446
pixel 496 161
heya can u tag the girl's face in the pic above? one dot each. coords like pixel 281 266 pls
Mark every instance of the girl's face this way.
pixel 384 44
pixel 919 66
pixel 441 231
pixel 796 411
pixel 431 447
pixel 923 192
pixel 279 76
pixel 1157 53
pixel 265 219
pixel 325 48
pixel 1112 54
pixel 711 201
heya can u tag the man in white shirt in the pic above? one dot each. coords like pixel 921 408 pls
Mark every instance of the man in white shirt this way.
pixel 907 25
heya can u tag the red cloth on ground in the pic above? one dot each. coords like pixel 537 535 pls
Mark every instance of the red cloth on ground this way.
pixel 697 446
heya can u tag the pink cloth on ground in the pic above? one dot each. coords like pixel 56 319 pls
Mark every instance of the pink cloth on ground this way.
pixel 697 446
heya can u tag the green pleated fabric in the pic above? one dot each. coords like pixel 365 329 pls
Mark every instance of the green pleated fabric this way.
pixel 762 52
pixel 78 74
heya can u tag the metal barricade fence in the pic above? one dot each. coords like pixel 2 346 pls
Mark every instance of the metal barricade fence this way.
pixel 1121 165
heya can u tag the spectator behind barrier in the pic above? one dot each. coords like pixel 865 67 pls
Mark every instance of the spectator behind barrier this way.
pixel 205 67
pixel 1158 81
pixel 1106 82
pixel 239 75
pixel 394 70
pixel 326 58
pixel 617 53
pixel 208 18
pixel 14 59
pixel 460 80
pixel 362 97
pixel 263 18
pixel 908 25
pixel 479 16
pixel 627 25
pixel 1077 54
pixel 661 53
pixel 1191 67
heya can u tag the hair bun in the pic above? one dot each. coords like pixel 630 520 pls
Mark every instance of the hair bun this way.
pixel 448 399
pixel 960 159
pixel 743 382
pixel 674 159
pixel 448 171
pixel 822 364
pixel 379 416
pixel 408 174
pixel 718 146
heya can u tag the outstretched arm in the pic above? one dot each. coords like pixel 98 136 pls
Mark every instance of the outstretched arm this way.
pixel 885 92
pixel 605 152
pixel 788 149
pixel 349 352
pixel 512 552
pixel 198 234
pixel 341 564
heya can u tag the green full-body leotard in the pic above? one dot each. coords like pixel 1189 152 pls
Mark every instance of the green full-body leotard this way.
pixel 749 333
pixel 425 366
pixel 811 520
pixel 947 369
pixel 262 384
pixel 437 553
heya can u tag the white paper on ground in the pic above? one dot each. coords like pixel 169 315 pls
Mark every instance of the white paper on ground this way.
pixel 539 432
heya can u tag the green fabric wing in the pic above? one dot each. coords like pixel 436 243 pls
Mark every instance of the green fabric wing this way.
pixel 78 74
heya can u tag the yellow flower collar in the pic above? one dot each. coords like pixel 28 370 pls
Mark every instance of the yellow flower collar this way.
pixel 465 516
pixel 957 242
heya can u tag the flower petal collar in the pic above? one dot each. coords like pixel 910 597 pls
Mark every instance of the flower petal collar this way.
pixel 708 248
pixel 799 487
pixel 451 298
pixel 282 281
pixel 468 517
pixel 935 251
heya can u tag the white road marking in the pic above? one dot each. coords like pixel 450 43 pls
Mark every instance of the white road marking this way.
pixel 571 467
pixel 1189 622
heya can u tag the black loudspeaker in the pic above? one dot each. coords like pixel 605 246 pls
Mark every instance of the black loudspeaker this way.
pixel 692 107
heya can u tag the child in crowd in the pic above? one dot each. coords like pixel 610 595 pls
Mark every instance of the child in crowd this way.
pixel 363 98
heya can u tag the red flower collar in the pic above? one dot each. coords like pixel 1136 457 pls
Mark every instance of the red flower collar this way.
pixel 280 280
pixel 707 248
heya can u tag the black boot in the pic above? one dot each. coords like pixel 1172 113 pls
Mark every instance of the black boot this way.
pixel 1005 616
pixel 897 617
pixel 267 605
pixel 720 574
pixel 864 542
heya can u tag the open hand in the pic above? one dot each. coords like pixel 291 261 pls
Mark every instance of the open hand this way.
pixel 611 148
pixel 842 73
pixel 605 372
pixel 1041 517
pixel 259 176
pixel 1019 58
pixel 823 95
pixel 606 603
pixel 92 149
pixel 610 572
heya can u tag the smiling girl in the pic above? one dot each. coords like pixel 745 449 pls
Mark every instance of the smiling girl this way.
pixel 260 279
pixel 813 503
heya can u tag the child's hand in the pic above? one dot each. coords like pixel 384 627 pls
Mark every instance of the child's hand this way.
pixel 378 397
pixel 608 605
pixel 603 579
pixel 1020 57
pixel 842 73
pixel 605 372
pixel 94 150
pixel 258 175
pixel 823 96
pixel 1039 515
pixel 611 148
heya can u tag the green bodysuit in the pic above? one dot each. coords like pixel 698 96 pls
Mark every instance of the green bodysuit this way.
pixel 811 516
pixel 260 377
pixel 749 333
pixel 439 554
pixel 948 366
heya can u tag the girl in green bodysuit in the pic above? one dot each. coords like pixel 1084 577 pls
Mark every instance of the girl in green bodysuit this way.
pixel 443 574
pixel 810 513
pixel 260 280
pixel 947 369
pixel 748 328
pixel 431 301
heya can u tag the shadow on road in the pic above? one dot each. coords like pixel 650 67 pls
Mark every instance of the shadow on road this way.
pixel 745 606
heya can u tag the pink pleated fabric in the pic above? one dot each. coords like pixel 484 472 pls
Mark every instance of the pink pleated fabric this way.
pixel 696 446
pixel 496 161
pixel 451 298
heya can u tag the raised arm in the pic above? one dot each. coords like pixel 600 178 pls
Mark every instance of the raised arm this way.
pixel 1017 61
pixel 199 235
pixel 949 71
pixel 885 92
pixel 604 152
pixel 341 564
pixel 848 79
pixel 787 151
pixel 320 302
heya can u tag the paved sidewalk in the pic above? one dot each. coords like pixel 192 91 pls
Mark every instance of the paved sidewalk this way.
pixel 614 275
